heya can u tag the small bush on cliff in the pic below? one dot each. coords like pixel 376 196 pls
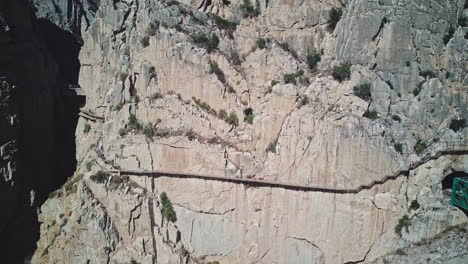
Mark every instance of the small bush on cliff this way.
pixel 87 128
pixel 398 147
pixel 248 10
pixel 396 118
pixel 99 177
pixel 414 205
pixel 312 59
pixel 272 146
pixel 428 73
pixel 222 114
pixel 341 73
pixel 363 91
pixel 403 222
pixel 149 131
pixel 214 68
pixel 420 146
pixel 335 16
pixel 457 124
pixel 371 114
pixel 303 100
pixel 289 78
pixel 448 36
pixel 133 122
pixel 167 210
pixel 225 24
pixel 249 115
pixel 261 43
pixel 145 41
pixel 233 119
pixel 209 43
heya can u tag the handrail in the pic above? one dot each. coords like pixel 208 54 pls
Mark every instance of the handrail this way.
pixel 458 149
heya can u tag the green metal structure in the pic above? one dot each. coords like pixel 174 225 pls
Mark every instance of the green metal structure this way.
pixel 460 193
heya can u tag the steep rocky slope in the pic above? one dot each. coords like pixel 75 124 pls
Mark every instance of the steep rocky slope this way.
pixel 162 97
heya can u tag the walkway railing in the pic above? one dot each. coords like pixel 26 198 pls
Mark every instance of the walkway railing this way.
pixel 451 149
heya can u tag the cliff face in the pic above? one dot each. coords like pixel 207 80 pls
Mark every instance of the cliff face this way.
pixel 159 100
pixel 37 150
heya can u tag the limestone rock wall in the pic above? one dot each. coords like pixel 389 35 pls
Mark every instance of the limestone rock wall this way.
pixel 139 59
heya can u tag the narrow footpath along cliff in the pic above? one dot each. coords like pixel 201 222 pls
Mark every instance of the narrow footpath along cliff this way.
pixel 364 96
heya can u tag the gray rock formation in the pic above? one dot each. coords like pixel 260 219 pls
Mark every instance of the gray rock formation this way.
pixel 160 104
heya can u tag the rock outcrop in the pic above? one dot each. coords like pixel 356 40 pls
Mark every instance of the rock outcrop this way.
pixel 166 98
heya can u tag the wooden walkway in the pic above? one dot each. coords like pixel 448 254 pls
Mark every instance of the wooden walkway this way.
pixel 91 116
pixel 450 149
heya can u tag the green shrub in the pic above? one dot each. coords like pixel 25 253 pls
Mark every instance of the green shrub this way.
pixel 363 91
pixel 449 35
pixel 87 128
pixel 249 115
pixel 222 114
pixel 303 100
pixel 209 43
pixel 118 107
pixel 99 177
pixel 152 28
pixel 289 78
pixel 145 41
pixel 274 82
pixel 248 10
pixel 190 135
pixel 408 63
pixel 205 106
pixel 134 262
pixel 233 119
pixel 235 58
pixel 463 21
pixel 335 16
pixel 88 165
pixel 457 124
pixel 396 118
pixel 123 132
pixel 133 123
pixel 414 205
pixel 167 210
pixel 261 43
pixel 420 146
pixel 272 146
pixel 428 73
pixel 285 47
pixel 418 89
pixel 225 24
pixel 149 131
pixel 403 222
pixel 398 147
pixel 312 60
pixel 371 114
pixel 214 68
pixel 341 73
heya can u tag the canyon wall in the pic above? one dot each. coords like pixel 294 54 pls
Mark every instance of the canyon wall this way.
pixel 161 97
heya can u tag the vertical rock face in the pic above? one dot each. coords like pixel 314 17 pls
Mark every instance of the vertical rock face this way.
pixel 162 97
pixel 37 148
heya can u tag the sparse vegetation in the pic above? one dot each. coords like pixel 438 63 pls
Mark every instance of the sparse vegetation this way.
pixel 167 210
pixel 449 35
pixel 233 119
pixel 371 114
pixel 149 131
pixel 248 10
pixel 133 123
pixel 428 73
pixel 225 24
pixel 312 59
pixel 152 29
pixel 335 16
pixel 235 58
pixel 398 147
pixel 396 118
pixel 261 43
pixel 123 132
pixel 87 128
pixel 190 135
pixel 363 91
pixel 463 21
pixel 289 78
pixel 274 82
pixel 88 165
pixel 249 115
pixel 272 146
pixel 214 68
pixel 420 146
pixel 414 205
pixel 145 41
pixel 118 107
pixel 403 222
pixel 457 124
pixel 99 177
pixel 303 100
pixel 418 89
pixel 209 43
pixel 222 114
pixel 341 73
pixel 285 47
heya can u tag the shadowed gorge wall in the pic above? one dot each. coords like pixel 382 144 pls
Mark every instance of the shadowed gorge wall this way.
pixel 37 61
